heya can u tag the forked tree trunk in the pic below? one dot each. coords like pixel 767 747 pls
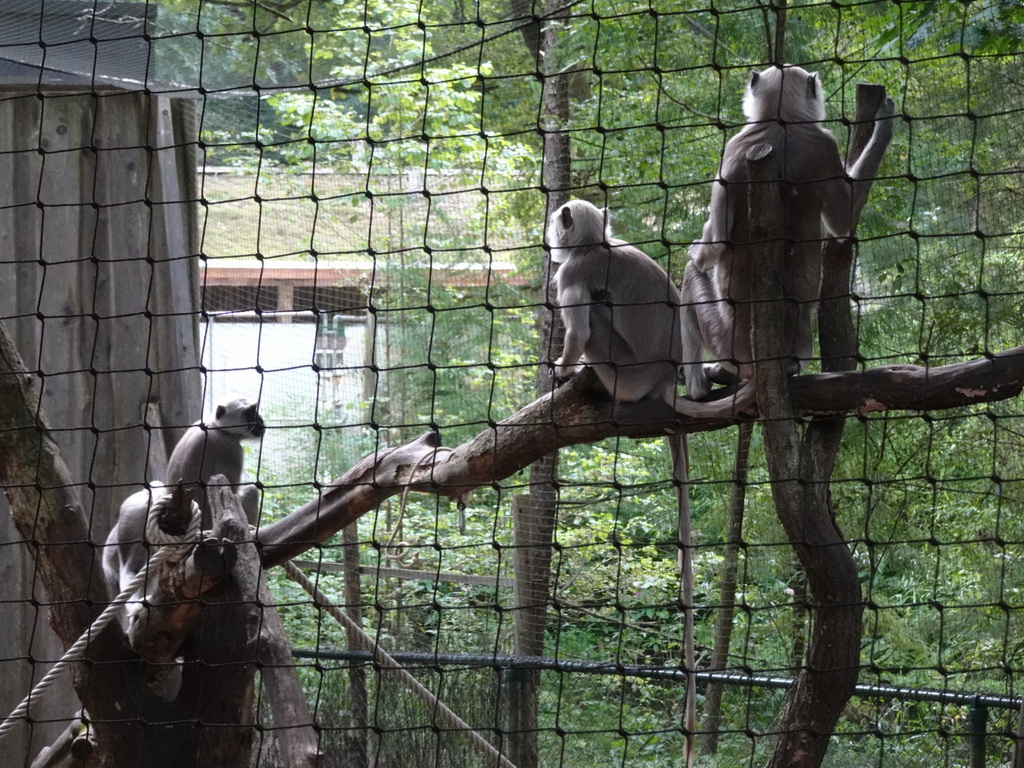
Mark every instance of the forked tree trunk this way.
pixel 801 467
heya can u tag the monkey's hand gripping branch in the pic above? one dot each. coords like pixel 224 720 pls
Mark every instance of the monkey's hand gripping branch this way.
pixel 170 548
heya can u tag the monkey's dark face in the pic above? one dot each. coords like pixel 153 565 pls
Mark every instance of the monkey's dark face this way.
pixel 254 422
pixel 241 419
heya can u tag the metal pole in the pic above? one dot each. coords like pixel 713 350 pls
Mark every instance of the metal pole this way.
pixel 977 717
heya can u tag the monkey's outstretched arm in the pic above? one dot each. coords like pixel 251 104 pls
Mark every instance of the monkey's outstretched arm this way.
pixel 707 251
pixel 865 169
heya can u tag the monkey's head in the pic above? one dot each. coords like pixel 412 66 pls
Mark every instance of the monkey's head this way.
pixel 578 224
pixel 240 419
pixel 786 93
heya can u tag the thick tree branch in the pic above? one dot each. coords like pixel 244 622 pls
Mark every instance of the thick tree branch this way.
pixel 800 492
pixel 575 414
pixel 801 466
pixel 45 503
pixel 297 737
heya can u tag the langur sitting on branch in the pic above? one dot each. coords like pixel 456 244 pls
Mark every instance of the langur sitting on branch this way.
pixel 784 107
pixel 209 447
pixel 621 316
pixel 620 309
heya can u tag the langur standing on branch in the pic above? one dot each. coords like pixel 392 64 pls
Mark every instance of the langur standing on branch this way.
pixel 621 316
pixel 209 447
pixel 784 106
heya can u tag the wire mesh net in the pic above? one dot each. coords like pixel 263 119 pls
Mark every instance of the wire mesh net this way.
pixel 338 210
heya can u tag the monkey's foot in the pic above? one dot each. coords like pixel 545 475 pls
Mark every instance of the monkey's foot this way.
pixel 720 373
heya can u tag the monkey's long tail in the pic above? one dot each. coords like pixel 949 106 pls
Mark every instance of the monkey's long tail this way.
pixel 723 408
pixel 681 477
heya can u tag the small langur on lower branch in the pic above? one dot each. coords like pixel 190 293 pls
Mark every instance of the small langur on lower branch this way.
pixel 208 448
pixel 622 318
pixel 784 107
pixel 214 447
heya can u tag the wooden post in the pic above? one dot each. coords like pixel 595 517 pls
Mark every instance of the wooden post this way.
pixel 90 265
pixel 355 755
pixel 285 301
pixel 531 536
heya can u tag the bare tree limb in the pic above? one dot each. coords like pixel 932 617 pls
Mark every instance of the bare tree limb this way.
pixel 576 413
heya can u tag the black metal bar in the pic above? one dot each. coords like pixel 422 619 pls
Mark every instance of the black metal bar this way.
pixel 501 662
pixel 977 717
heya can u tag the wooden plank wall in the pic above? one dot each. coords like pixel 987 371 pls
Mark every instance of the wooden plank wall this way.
pixel 98 287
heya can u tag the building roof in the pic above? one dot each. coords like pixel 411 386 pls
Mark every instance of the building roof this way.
pixel 348 273
pixel 75 43
pixel 125 45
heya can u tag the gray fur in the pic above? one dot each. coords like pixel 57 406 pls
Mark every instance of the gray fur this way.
pixel 784 107
pixel 209 447
pixel 214 447
pixel 620 309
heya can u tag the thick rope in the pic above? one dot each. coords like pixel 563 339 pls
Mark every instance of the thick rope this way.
pixel 169 549
pixel 386 662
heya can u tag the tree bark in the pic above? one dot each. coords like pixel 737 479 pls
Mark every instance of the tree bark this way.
pixel 799 483
pixel 800 469
pixel 536 516
pixel 577 413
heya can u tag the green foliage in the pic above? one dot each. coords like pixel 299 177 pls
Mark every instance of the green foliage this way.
pixel 394 96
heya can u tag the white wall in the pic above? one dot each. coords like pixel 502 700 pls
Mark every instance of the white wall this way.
pixel 274 364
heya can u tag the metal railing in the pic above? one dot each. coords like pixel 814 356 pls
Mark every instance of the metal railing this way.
pixel 977 704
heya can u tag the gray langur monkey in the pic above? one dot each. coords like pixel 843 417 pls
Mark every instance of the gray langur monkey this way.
pixel 214 447
pixel 619 307
pixel 784 107
pixel 209 447
pixel 622 318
